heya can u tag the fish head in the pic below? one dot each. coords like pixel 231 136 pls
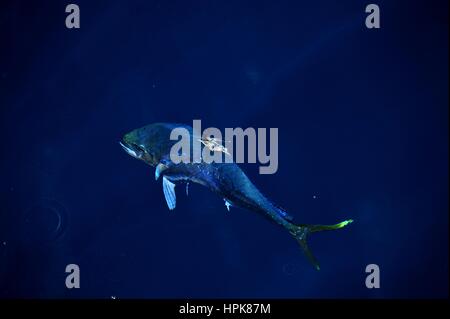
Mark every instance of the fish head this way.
pixel 150 143
pixel 137 145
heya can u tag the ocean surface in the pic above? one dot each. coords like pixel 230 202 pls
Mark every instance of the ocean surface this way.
pixel 362 116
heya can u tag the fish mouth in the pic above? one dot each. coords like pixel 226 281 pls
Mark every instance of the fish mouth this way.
pixel 131 149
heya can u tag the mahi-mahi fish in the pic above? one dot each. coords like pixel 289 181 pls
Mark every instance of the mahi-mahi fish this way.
pixel 152 145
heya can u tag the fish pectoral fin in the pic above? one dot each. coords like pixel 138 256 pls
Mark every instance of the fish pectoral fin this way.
pixel 159 169
pixel 169 193
pixel 187 189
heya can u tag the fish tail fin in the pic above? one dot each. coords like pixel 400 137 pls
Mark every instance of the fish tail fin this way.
pixel 301 232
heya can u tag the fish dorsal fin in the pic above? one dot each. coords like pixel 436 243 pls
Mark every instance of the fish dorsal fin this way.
pixel 169 193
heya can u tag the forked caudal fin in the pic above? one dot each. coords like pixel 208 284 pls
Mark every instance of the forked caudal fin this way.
pixel 301 232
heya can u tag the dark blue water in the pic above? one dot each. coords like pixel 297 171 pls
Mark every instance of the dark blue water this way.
pixel 362 117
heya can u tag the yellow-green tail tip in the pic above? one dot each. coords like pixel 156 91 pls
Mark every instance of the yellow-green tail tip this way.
pixel 344 223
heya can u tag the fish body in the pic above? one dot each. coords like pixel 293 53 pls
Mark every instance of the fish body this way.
pixel 152 144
